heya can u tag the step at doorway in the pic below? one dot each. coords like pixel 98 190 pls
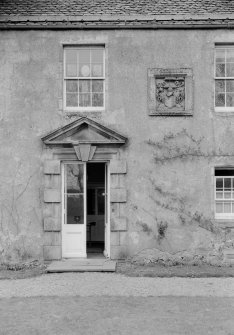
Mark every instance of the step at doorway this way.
pixel 82 265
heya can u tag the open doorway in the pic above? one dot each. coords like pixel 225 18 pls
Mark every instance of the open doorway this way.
pixel 95 233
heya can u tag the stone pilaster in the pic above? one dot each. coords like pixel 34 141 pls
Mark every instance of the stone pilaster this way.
pixel 52 210
pixel 118 200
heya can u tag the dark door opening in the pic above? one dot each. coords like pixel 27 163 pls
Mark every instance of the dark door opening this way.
pixel 95 208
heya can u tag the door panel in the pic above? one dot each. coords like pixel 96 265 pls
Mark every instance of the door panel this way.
pixel 74 205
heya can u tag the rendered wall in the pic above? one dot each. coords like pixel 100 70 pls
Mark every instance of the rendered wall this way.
pixel 170 160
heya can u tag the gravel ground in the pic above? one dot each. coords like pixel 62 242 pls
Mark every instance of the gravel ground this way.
pixel 112 284
pixel 117 316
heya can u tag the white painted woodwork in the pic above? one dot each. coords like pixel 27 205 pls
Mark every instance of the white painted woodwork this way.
pixel 73 234
pixel 107 211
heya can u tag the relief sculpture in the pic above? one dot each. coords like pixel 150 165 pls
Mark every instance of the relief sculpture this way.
pixel 170 93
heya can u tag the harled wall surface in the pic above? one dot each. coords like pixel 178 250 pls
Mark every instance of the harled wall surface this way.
pixel 170 160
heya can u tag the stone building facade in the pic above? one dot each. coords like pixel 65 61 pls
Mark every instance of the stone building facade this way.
pixel 149 96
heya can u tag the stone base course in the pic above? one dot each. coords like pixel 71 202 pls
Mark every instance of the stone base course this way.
pixel 52 253
pixel 52 238
pixel 118 252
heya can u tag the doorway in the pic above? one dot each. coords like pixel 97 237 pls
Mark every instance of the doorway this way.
pixel 85 210
pixel 95 241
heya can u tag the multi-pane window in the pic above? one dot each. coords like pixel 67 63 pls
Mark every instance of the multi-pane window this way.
pixel 84 77
pixel 224 78
pixel 224 193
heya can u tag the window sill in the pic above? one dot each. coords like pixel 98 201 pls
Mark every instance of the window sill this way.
pixel 221 110
pixel 225 216
pixel 83 113
pixel 79 110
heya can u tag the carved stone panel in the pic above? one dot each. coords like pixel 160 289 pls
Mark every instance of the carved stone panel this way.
pixel 170 92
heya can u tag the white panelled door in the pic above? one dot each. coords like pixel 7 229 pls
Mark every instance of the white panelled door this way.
pixel 74 210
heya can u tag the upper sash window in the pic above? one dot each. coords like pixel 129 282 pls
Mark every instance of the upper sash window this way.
pixel 84 77
pixel 224 78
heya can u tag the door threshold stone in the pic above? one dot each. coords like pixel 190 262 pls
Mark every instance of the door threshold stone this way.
pixel 82 265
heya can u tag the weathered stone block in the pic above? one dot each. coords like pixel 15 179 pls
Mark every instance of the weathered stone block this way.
pixel 48 210
pixel 52 238
pixel 123 235
pixel 119 252
pixel 114 180
pixel 56 210
pixel 118 195
pixel 118 167
pixel 52 224
pixel 56 182
pixel 122 180
pixel 52 166
pixel 114 238
pixel 115 209
pixel 60 104
pixel 52 195
pixel 119 224
pixel 52 253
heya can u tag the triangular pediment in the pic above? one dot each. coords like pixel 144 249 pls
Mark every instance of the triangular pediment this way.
pixel 84 131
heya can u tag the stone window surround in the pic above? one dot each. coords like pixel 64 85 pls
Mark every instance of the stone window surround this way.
pixel 153 74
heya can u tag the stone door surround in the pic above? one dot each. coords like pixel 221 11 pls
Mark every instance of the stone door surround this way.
pixel 83 140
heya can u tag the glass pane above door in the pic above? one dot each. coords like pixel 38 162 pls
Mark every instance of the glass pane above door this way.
pixel 74 194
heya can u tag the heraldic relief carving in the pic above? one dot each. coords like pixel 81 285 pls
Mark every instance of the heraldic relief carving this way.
pixel 170 93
